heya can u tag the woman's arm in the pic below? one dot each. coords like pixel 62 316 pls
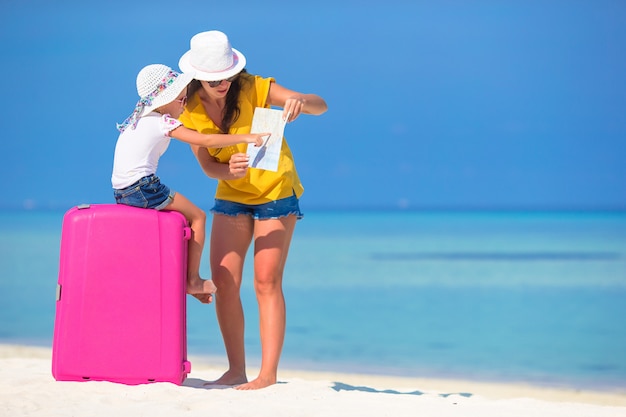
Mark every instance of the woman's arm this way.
pixel 235 169
pixel 295 103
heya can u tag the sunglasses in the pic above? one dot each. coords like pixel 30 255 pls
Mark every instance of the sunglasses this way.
pixel 214 84
pixel 182 101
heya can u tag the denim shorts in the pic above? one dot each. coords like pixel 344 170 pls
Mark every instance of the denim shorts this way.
pixel 148 192
pixel 272 210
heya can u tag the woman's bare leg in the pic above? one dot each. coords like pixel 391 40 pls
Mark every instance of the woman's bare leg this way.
pixel 230 240
pixel 271 246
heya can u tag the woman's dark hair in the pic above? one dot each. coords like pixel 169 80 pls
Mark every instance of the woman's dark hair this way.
pixel 231 110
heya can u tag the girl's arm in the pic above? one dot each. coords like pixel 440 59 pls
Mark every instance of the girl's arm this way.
pixel 235 169
pixel 294 103
pixel 215 140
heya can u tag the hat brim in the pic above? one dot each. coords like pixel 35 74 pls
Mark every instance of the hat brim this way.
pixel 171 92
pixel 239 64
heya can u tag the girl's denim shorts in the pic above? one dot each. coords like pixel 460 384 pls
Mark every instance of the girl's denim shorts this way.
pixel 148 192
pixel 272 210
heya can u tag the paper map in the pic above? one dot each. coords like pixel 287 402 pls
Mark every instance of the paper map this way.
pixel 267 156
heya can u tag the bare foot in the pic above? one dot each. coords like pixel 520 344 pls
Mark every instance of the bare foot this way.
pixel 202 289
pixel 229 378
pixel 197 285
pixel 204 298
pixel 257 384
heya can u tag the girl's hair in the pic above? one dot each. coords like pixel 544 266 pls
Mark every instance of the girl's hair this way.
pixel 231 110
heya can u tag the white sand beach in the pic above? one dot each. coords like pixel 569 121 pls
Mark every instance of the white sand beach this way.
pixel 27 388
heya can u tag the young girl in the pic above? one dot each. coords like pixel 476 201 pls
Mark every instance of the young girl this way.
pixel 145 136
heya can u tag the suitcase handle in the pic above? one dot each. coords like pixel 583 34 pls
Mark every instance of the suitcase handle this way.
pixel 187 233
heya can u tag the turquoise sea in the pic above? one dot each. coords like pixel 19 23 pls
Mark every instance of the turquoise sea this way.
pixel 537 297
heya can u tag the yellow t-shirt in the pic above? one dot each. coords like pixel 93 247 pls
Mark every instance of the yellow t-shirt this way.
pixel 258 186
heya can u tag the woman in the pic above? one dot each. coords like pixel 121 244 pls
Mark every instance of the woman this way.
pixel 250 204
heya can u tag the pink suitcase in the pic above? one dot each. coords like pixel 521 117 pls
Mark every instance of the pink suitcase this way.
pixel 121 299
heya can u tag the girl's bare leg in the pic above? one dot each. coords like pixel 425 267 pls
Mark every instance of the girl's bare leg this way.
pixel 271 246
pixel 230 240
pixel 201 288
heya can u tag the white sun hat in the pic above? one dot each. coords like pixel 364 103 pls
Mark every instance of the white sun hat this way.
pixel 211 57
pixel 157 85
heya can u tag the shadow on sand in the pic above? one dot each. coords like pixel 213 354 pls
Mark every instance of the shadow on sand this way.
pixel 340 386
pixel 337 386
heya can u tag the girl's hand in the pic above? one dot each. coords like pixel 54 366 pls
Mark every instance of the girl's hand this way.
pixel 259 138
pixel 238 165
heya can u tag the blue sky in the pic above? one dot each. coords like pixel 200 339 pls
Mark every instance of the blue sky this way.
pixel 447 104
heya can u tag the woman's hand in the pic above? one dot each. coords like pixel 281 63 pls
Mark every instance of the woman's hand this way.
pixel 292 108
pixel 238 165
pixel 295 103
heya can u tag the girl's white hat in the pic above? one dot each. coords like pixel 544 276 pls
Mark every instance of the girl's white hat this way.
pixel 211 57
pixel 157 85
